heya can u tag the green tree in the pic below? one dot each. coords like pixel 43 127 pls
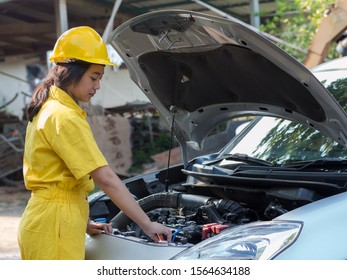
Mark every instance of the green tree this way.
pixel 295 22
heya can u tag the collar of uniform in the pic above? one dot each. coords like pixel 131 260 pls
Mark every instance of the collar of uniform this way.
pixel 64 98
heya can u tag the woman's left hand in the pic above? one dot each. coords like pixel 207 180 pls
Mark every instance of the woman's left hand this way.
pixel 98 228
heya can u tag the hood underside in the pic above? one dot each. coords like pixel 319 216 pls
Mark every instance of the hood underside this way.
pixel 196 80
pixel 201 70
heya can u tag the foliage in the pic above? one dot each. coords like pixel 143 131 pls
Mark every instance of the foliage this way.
pixel 295 22
pixel 142 152
pixel 160 144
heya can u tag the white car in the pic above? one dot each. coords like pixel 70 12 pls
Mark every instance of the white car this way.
pixel 277 189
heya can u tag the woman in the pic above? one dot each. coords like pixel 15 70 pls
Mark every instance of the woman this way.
pixel 62 160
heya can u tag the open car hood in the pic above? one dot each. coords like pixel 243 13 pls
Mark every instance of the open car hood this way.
pixel 200 70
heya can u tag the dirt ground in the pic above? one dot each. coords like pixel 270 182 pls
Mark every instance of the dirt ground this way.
pixel 12 203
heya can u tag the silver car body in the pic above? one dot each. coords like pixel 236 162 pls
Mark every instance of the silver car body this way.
pixel 200 70
pixel 192 65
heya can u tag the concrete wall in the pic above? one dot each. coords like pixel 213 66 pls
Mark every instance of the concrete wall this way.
pixel 116 87
pixel 13 76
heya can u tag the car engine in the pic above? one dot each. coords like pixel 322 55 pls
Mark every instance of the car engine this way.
pixel 197 204
pixel 192 218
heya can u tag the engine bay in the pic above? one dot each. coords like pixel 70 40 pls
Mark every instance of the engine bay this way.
pixel 201 202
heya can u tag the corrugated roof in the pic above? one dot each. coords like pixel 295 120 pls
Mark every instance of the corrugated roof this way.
pixel 29 27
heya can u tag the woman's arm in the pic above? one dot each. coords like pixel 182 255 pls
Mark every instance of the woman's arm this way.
pixel 110 183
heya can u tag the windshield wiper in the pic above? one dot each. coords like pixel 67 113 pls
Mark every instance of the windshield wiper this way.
pixel 316 163
pixel 240 157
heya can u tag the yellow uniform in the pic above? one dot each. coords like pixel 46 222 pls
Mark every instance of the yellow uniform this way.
pixel 60 152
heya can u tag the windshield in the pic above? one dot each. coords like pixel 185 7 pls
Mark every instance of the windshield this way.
pixel 281 141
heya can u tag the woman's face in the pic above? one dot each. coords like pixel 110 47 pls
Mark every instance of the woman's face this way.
pixel 88 85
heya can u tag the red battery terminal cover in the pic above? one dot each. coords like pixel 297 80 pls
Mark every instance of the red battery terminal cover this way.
pixel 208 230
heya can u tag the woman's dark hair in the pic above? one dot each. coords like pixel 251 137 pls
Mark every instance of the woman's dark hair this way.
pixel 62 75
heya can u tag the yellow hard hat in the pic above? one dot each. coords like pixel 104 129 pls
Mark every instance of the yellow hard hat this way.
pixel 81 43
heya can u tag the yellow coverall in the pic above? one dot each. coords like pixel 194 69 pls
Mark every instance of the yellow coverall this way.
pixel 60 152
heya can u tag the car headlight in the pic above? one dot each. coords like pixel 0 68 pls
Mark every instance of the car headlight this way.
pixel 254 241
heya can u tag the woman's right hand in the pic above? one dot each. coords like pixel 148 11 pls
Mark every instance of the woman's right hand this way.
pixel 110 183
pixel 156 231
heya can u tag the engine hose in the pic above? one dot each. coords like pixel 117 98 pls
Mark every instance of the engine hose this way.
pixel 161 200
pixel 148 203
pixel 176 201
pixel 229 206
